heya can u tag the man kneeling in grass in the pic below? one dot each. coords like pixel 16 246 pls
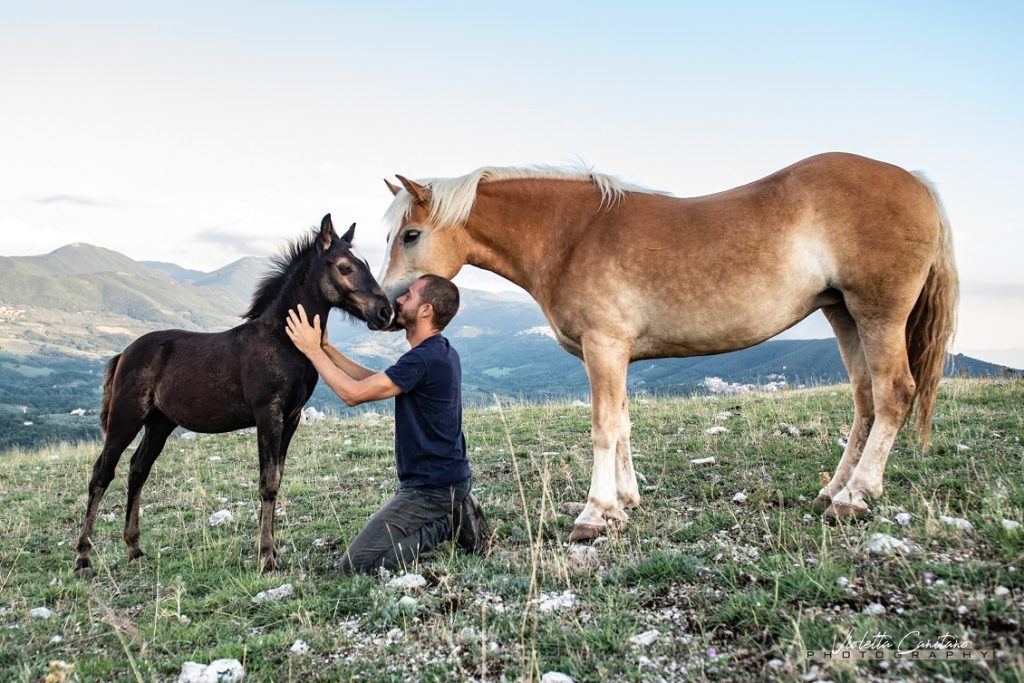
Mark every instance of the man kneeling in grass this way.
pixel 433 503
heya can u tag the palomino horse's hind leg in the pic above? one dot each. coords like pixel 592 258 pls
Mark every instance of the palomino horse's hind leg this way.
pixel 119 434
pixel 158 428
pixel 625 477
pixel 269 429
pixel 863 413
pixel 606 361
pixel 892 389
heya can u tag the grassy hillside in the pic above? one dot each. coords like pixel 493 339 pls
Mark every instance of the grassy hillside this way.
pixel 735 590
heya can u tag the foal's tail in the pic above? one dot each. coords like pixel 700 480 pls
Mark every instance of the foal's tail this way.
pixel 932 323
pixel 108 383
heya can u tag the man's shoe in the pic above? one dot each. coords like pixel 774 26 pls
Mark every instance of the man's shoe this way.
pixel 472 533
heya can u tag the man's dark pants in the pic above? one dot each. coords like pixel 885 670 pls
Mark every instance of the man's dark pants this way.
pixel 411 523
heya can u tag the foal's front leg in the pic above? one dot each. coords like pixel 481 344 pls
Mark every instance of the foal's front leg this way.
pixel 606 362
pixel 268 435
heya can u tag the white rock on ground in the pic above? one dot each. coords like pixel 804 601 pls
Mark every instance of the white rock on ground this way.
pixel 217 671
pixel 299 647
pixel 963 447
pixel 776 663
pixel 645 639
pixel 883 544
pixel 274 594
pixel 1010 525
pixel 722 417
pixel 550 602
pixel 556 677
pixel 903 518
pixel 703 461
pixel 1002 591
pixel 221 517
pixel 407 581
pixel 875 609
pixel 40 613
pixel 408 602
pixel 740 497
pixel 716 430
pixel 584 556
pixel 960 523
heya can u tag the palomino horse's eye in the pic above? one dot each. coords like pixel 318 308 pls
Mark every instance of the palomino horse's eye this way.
pixel 410 236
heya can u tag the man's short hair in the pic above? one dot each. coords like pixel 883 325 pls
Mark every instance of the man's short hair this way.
pixel 443 295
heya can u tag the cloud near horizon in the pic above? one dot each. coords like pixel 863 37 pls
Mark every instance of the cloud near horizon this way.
pixel 69 199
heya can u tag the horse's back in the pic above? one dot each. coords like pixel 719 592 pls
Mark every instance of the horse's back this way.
pixel 725 271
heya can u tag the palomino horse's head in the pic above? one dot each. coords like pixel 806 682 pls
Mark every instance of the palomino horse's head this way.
pixel 418 243
pixel 345 279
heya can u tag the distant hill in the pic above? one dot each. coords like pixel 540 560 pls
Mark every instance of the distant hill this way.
pixel 64 313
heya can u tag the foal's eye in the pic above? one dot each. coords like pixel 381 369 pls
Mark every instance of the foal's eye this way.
pixel 344 269
pixel 410 236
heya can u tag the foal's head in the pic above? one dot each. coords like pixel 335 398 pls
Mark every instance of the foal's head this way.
pixel 345 279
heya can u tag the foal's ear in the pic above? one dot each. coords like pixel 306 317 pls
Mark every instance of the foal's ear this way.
pixel 327 234
pixel 421 193
pixel 350 235
pixel 395 189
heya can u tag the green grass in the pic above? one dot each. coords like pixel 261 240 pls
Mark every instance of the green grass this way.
pixel 730 586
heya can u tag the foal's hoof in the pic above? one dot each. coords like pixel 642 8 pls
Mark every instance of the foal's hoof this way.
pixel 841 511
pixel 271 563
pixel 586 532
pixel 135 553
pixel 821 503
pixel 83 570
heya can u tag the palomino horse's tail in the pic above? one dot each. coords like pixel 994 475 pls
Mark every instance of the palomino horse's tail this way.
pixel 932 323
pixel 108 383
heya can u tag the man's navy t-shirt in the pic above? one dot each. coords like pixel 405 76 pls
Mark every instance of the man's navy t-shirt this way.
pixel 430 448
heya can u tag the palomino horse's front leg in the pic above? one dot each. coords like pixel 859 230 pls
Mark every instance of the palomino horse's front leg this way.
pixel 606 362
pixel 625 477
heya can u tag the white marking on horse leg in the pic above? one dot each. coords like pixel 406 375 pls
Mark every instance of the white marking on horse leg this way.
pixel 851 455
pixel 625 477
pixel 606 361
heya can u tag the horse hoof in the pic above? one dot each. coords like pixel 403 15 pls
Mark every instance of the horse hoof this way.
pixel 272 563
pixel 135 553
pixel 821 503
pixel 83 570
pixel 585 532
pixel 838 511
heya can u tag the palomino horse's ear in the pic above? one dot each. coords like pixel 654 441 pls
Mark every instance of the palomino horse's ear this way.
pixel 327 234
pixel 422 194
pixel 350 235
pixel 395 189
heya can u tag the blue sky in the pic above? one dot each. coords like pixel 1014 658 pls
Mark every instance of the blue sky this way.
pixel 201 132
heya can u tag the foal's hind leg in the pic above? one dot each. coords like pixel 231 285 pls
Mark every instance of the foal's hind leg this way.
pixel 158 428
pixel 120 433
pixel 885 351
pixel 863 412
pixel 625 477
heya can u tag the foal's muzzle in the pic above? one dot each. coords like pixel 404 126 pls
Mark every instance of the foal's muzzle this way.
pixel 379 316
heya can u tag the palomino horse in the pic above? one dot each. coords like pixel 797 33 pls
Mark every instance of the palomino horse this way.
pixel 249 375
pixel 623 274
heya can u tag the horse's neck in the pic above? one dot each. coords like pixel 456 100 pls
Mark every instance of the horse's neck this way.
pixel 519 228
pixel 301 289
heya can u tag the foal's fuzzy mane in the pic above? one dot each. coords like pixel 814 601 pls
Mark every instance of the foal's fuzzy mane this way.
pixel 453 198
pixel 282 267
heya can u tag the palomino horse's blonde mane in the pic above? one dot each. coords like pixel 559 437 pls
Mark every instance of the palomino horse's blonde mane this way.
pixel 452 198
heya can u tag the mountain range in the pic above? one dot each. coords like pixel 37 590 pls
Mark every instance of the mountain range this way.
pixel 64 313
